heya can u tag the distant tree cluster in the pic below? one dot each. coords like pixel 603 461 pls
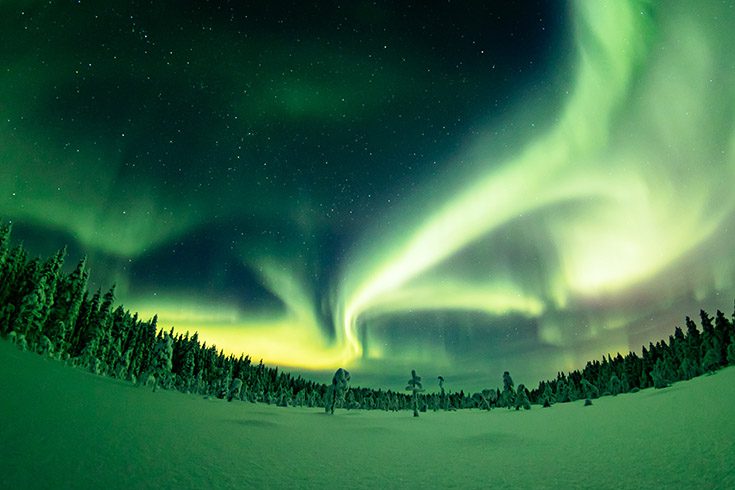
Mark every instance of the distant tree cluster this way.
pixel 46 311
pixel 683 357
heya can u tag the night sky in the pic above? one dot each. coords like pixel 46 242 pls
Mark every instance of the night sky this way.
pixel 462 188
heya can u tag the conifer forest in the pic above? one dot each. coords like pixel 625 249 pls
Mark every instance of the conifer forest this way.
pixel 52 313
pixel 367 244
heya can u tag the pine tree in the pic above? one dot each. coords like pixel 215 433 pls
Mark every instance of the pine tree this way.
pixel 614 385
pixel 694 343
pixel 88 357
pixel 723 330
pixel 662 374
pixel 161 362
pixel 51 271
pixel 507 397
pixel 64 313
pixel 11 275
pixel 521 399
pixel 731 351
pixel 29 317
pixel 547 397
pixel 589 390
pixel 711 360
pixel 85 329
pixel 443 396
pixel 686 369
pixel 5 231
pixel 235 389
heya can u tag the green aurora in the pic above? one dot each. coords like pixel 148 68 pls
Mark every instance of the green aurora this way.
pixel 321 200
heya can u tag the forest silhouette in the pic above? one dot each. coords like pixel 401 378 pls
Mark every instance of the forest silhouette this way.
pixel 53 314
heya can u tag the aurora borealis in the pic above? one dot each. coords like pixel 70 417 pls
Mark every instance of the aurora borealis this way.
pixel 461 189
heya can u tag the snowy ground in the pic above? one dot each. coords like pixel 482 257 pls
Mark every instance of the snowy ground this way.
pixel 63 428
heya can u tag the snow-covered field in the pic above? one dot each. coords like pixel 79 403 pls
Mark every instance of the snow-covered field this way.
pixel 64 428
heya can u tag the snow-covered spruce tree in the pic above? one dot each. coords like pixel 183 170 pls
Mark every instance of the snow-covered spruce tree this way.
pixel 336 392
pixel 85 329
pixel 723 327
pixel 444 402
pixel 614 385
pixel 731 351
pixel 29 315
pixel 686 369
pixel 5 231
pixel 18 340
pixel 300 398
pixel 694 343
pixel 480 400
pixel 711 358
pixel 64 312
pixel 562 391
pixel 491 396
pixel 588 389
pixel 522 400
pixel 51 272
pixel 234 391
pixel 7 313
pixel 88 358
pixel 351 402
pixel 10 277
pixel 507 397
pixel 415 387
pixel 283 399
pixel 547 396
pixel 122 365
pixel 661 374
pixel 45 347
pixel 161 362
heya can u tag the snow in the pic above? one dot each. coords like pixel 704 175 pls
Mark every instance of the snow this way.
pixel 61 427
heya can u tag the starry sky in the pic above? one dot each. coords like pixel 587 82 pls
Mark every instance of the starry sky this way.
pixel 462 188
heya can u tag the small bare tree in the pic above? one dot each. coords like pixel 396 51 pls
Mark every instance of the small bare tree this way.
pixel 414 385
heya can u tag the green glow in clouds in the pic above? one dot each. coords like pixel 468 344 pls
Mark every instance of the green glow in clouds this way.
pixel 628 181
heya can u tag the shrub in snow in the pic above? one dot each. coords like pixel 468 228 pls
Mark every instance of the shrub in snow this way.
pixel 235 388
pixel 336 392
pixel 731 351
pixel 415 387
pixel 587 402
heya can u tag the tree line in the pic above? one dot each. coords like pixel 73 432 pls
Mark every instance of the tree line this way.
pixel 44 310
